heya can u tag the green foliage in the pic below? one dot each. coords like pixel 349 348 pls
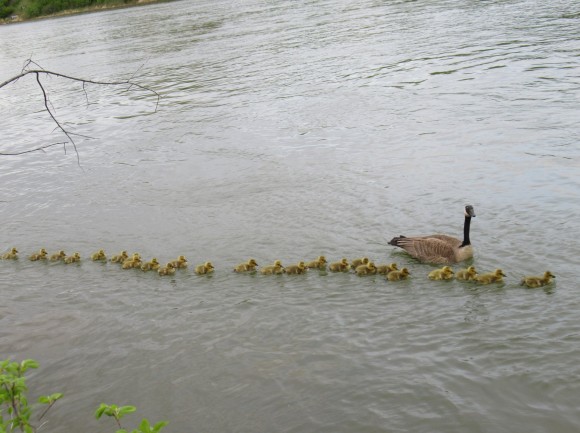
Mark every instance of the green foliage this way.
pixel 6 8
pixel 117 413
pixel 15 412
pixel 38 8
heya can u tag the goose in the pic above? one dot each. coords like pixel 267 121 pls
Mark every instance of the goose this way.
pixel 319 263
pixel 168 269
pixel 468 274
pixel 357 262
pixel 533 281
pixel 11 255
pixel 57 256
pixel 439 249
pixel 206 268
pixel 41 255
pixel 99 255
pixel 494 277
pixel 445 273
pixel 133 262
pixel 366 269
pixel 398 275
pixel 385 269
pixel 249 266
pixel 275 269
pixel 76 257
pixel 180 263
pixel 152 265
pixel 120 258
pixel 341 266
pixel 299 268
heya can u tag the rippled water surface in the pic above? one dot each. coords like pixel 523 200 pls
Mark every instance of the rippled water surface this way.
pixel 287 130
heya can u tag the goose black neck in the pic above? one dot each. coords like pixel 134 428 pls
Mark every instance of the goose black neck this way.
pixel 466 225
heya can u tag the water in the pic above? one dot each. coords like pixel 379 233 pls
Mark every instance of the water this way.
pixel 288 130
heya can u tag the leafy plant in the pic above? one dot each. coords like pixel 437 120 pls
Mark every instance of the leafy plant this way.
pixel 118 412
pixel 15 412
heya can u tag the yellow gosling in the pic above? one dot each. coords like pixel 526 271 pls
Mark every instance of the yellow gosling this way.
pixel 56 257
pixel 76 257
pixel 403 274
pixel 319 263
pixel 98 256
pixel 180 263
pixel 366 269
pixel 120 258
pixel 249 266
pixel 168 269
pixel 41 255
pixel 533 282
pixel 275 269
pixel 206 268
pixel 445 273
pixel 385 269
pixel 342 266
pixel 151 265
pixel 468 274
pixel 494 277
pixel 133 262
pixel 11 255
pixel 299 268
pixel 357 262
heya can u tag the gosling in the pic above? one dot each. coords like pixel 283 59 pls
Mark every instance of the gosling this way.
pixel 204 269
pixel 342 266
pixel 11 255
pixel 319 263
pixel 56 257
pixel 445 273
pixel 357 262
pixel 299 268
pixel 99 256
pixel 275 269
pixel 75 258
pixel 494 277
pixel 403 274
pixel 41 255
pixel 533 282
pixel 168 269
pixel 133 262
pixel 366 269
pixel 120 258
pixel 385 269
pixel 468 274
pixel 180 263
pixel 249 266
pixel 152 265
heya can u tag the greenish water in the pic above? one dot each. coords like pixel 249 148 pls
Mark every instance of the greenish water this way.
pixel 287 130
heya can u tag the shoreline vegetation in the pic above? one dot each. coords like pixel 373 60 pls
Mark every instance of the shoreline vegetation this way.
pixel 17 11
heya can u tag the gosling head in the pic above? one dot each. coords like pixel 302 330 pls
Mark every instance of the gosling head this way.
pixel 252 262
pixel 548 274
pixel 499 272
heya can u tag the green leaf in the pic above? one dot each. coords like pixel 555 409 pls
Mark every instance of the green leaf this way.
pixel 123 410
pixel 157 427
pixel 101 410
pixel 28 363
pixel 145 427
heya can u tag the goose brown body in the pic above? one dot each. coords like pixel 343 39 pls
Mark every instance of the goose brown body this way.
pixel 438 248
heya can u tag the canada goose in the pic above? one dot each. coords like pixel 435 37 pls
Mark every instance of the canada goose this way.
pixel 180 263
pixel 533 282
pixel 120 258
pixel 133 262
pixel 319 263
pixel 76 257
pixel 445 273
pixel 11 255
pixel 152 265
pixel 99 255
pixel 249 266
pixel 357 262
pixel 366 269
pixel 440 249
pixel 398 275
pixel 468 274
pixel 341 266
pixel 299 268
pixel 41 255
pixel 275 269
pixel 206 268
pixel 494 277
pixel 385 269
pixel 168 269
pixel 57 256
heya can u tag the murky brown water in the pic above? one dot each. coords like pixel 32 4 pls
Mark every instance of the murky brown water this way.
pixel 288 130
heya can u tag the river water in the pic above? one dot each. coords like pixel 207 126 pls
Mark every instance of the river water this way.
pixel 287 130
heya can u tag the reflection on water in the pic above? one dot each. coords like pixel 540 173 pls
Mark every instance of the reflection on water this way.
pixel 288 130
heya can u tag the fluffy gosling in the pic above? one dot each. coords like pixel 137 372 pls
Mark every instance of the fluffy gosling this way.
pixel 180 263
pixel 120 258
pixel 275 269
pixel 299 268
pixel 249 266
pixel 366 269
pixel 151 265
pixel 11 255
pixel 342 266
pixel 445 273
pixel 56 257
pixel 494 277
pixel 76 257
pixel 319 263
pixel 206 268
pixel 98 256
pixel 403 274
pixel 168 269
pixel 385 269
pixel 357 262
pixel 41 255
pixel 468 274
pixel 533 281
